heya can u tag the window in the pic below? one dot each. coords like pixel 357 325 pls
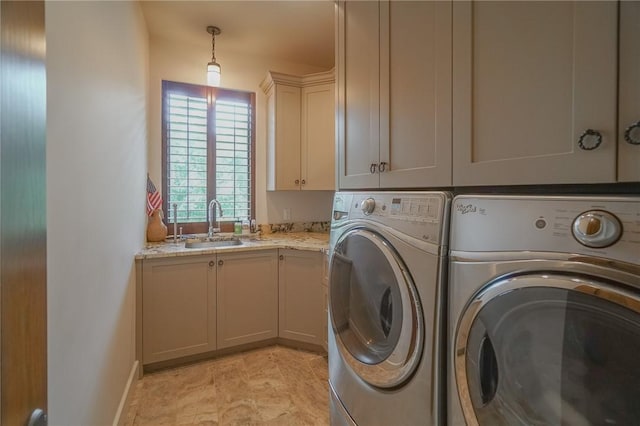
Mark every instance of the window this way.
pixel 208 146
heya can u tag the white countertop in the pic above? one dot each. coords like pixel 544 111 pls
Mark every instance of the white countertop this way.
pixel 311 241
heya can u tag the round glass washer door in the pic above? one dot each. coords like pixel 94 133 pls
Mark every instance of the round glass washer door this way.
pixel 375 311
pixel 549 349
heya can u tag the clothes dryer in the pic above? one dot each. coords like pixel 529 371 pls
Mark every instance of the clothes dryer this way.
pixel 544 317
pixel 386 283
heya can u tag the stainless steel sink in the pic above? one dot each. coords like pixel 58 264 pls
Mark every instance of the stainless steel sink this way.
pixel 211 244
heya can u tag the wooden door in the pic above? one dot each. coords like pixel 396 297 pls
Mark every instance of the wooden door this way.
pixel 629 93
pixel 318 151
pixel 358 94
pixel 178 307
pixel 23 263
pixel 415 96
pixel 247 297
pixel 529 79
pixel 300 296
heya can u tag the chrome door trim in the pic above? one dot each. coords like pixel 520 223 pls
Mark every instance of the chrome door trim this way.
pixel 417 243
pixel 396 368
pixel 504 284
pixel 628 273
pixel 336 403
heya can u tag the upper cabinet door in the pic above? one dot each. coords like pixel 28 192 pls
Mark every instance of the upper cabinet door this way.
pixel 415 96
pixel 287 137
pixel 358 122
pixel 530 80
pixel 629 93
pixel 317 161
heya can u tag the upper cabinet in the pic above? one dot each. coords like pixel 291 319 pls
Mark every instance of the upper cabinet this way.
pixel 629 93
pixel 358 93
pixel 394 94
pixel 300 131
pixel 487 93
pixel 534 92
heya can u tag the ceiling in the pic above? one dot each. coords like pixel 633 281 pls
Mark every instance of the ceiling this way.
pixel 299 31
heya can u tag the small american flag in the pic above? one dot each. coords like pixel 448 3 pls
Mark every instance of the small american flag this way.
pixel 154 199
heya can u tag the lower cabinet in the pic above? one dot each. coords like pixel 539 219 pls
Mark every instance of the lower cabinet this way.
pixel 178 307
pixel 300 296
pixel 196 304
pixel 247 297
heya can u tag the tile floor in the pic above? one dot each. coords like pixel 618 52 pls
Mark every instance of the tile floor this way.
pixel 268 386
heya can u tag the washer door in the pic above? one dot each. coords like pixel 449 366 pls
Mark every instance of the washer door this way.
pixel 550 349
pixel 375 311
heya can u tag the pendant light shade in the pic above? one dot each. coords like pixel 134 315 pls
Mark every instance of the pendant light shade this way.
pixel 213 74
pixel 213 68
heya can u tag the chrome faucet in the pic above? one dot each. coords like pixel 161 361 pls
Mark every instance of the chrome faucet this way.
pixel 175 222
pixel 211 216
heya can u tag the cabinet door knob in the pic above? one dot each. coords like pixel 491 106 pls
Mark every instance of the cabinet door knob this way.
pixel 382 167
pixel 297 181
pixel 281 257
pixel 589 140
pixel 212 263
pixel 304 181
pixel 373 167
pixel 632 134
pixel 220 262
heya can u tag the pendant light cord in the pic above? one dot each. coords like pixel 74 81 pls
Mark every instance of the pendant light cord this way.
pixel 213 47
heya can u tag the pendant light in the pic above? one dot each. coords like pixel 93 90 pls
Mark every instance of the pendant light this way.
pixel 213 68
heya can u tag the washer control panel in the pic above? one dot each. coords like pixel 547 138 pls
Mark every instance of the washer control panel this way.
pixel 597 228
pixel 590 225
pixel 415 213
pixel 412 208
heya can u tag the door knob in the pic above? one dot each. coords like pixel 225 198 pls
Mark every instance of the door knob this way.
pixel 38 418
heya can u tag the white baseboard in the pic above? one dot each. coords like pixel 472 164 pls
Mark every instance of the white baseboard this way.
pixel 121 414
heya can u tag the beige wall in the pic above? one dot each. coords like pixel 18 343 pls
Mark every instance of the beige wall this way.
pixel 179 62
pixel 97 56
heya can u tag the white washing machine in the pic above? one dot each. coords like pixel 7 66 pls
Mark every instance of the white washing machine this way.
pixel 386 334
pixel 544 314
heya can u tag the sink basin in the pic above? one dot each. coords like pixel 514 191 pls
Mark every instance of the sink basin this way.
pixel 211 244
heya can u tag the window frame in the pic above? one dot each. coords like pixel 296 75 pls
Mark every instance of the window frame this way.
pixel 210 93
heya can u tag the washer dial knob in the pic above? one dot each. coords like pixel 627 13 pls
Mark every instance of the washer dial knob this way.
pixel 597 229
pixel 368 206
